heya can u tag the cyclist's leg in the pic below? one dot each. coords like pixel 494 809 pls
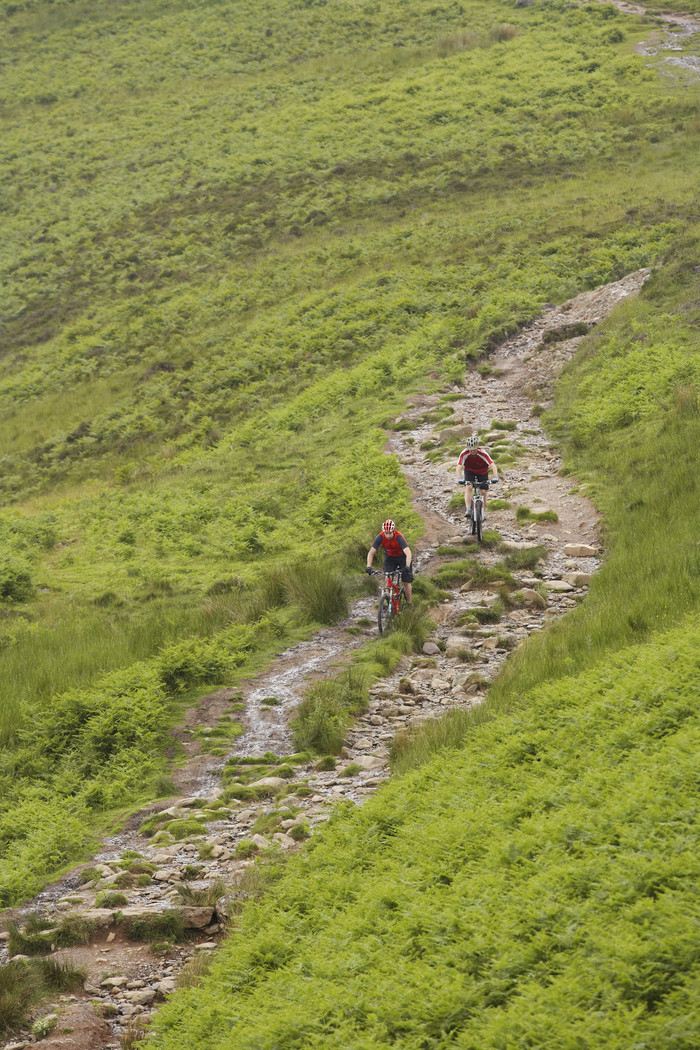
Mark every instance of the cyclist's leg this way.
pixel 407 581
pixel 484 492
pixel 468 491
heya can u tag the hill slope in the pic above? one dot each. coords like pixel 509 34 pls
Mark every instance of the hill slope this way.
pixel 232 247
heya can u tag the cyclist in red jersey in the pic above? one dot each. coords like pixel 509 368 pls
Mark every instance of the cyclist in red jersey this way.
pixel 397 555
pixel 473 469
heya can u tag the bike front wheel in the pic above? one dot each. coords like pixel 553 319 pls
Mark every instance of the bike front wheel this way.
pixel 479 519
pixel 384 613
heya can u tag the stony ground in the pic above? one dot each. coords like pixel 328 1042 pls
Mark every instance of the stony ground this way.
pixel 125 980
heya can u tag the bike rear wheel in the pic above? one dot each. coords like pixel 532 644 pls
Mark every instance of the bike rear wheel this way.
pixel 384 613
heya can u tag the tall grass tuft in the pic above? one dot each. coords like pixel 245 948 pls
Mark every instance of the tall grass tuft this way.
pixel 318 591
pixel 417 745
pixel 168 925
pixel 192 972
pixel 59 976
pixel 451 43
pixel 321 721
pixel 202 897
pixel 23 983
pixel 20 988
pixel 414 623
pixel 133 1035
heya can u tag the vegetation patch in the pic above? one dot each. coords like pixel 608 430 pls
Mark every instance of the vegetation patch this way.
pixel 108 899
pixel 524 559
pixel 568 836
pixel 525 514
pixel 166 926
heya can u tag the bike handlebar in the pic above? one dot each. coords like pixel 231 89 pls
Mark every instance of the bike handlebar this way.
pixel 380 572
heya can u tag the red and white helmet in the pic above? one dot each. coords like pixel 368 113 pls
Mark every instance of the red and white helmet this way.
pixel 472 442
pixel 388 527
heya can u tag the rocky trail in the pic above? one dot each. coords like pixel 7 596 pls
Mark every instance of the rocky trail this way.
pixel 203 874
pixel 673 32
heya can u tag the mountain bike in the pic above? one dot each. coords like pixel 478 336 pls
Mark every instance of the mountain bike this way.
pixel 477 509
pixel 392 598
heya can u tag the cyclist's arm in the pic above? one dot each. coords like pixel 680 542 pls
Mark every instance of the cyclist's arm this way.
pixel 406 550
pixel 372 551
pixel 492 468
pixel 460 466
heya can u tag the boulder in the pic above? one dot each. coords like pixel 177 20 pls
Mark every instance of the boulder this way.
pixel 578 579
pixel 456 644
pixel 166 986
pixel 459 433
pixel 141 996
pixel 369 762
pixel 115 982
pixel 440 685
pixel 532 597
pixel 285 841
pixel 580 550
pixel 363 744
pixel 559 586
pixel 166 875
pixel 431 649
pixel 195 918
pixel 271 782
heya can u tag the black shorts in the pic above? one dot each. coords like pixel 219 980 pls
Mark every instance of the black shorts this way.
pixel 482 480
pixel 399 563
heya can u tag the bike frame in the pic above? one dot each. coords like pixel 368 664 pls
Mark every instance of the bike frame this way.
pixel 477 507
pixel 477 501
pixel 390 597
pixel 392 589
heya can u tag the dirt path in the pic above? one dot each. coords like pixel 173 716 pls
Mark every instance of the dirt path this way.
pixel 667 41
pixel 125 980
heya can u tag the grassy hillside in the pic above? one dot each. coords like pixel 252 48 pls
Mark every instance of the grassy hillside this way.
pixel 233 243
pixel 537 888
pixel 536 882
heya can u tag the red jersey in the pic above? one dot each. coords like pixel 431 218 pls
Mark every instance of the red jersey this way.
pixel 476 459
pixel 394 545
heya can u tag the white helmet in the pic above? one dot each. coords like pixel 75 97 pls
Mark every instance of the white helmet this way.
pixel 472 442
pixel 388 527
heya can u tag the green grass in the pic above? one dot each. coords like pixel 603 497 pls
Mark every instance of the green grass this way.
pixel 569 905
pixel 168 925
pixel 525 514
pixel 23 984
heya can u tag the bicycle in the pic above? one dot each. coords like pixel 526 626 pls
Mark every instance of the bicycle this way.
pixel 392 598
pixel 477 508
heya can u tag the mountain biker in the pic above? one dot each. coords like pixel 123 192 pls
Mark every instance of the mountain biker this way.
pixel 473 469
pixel 397 555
